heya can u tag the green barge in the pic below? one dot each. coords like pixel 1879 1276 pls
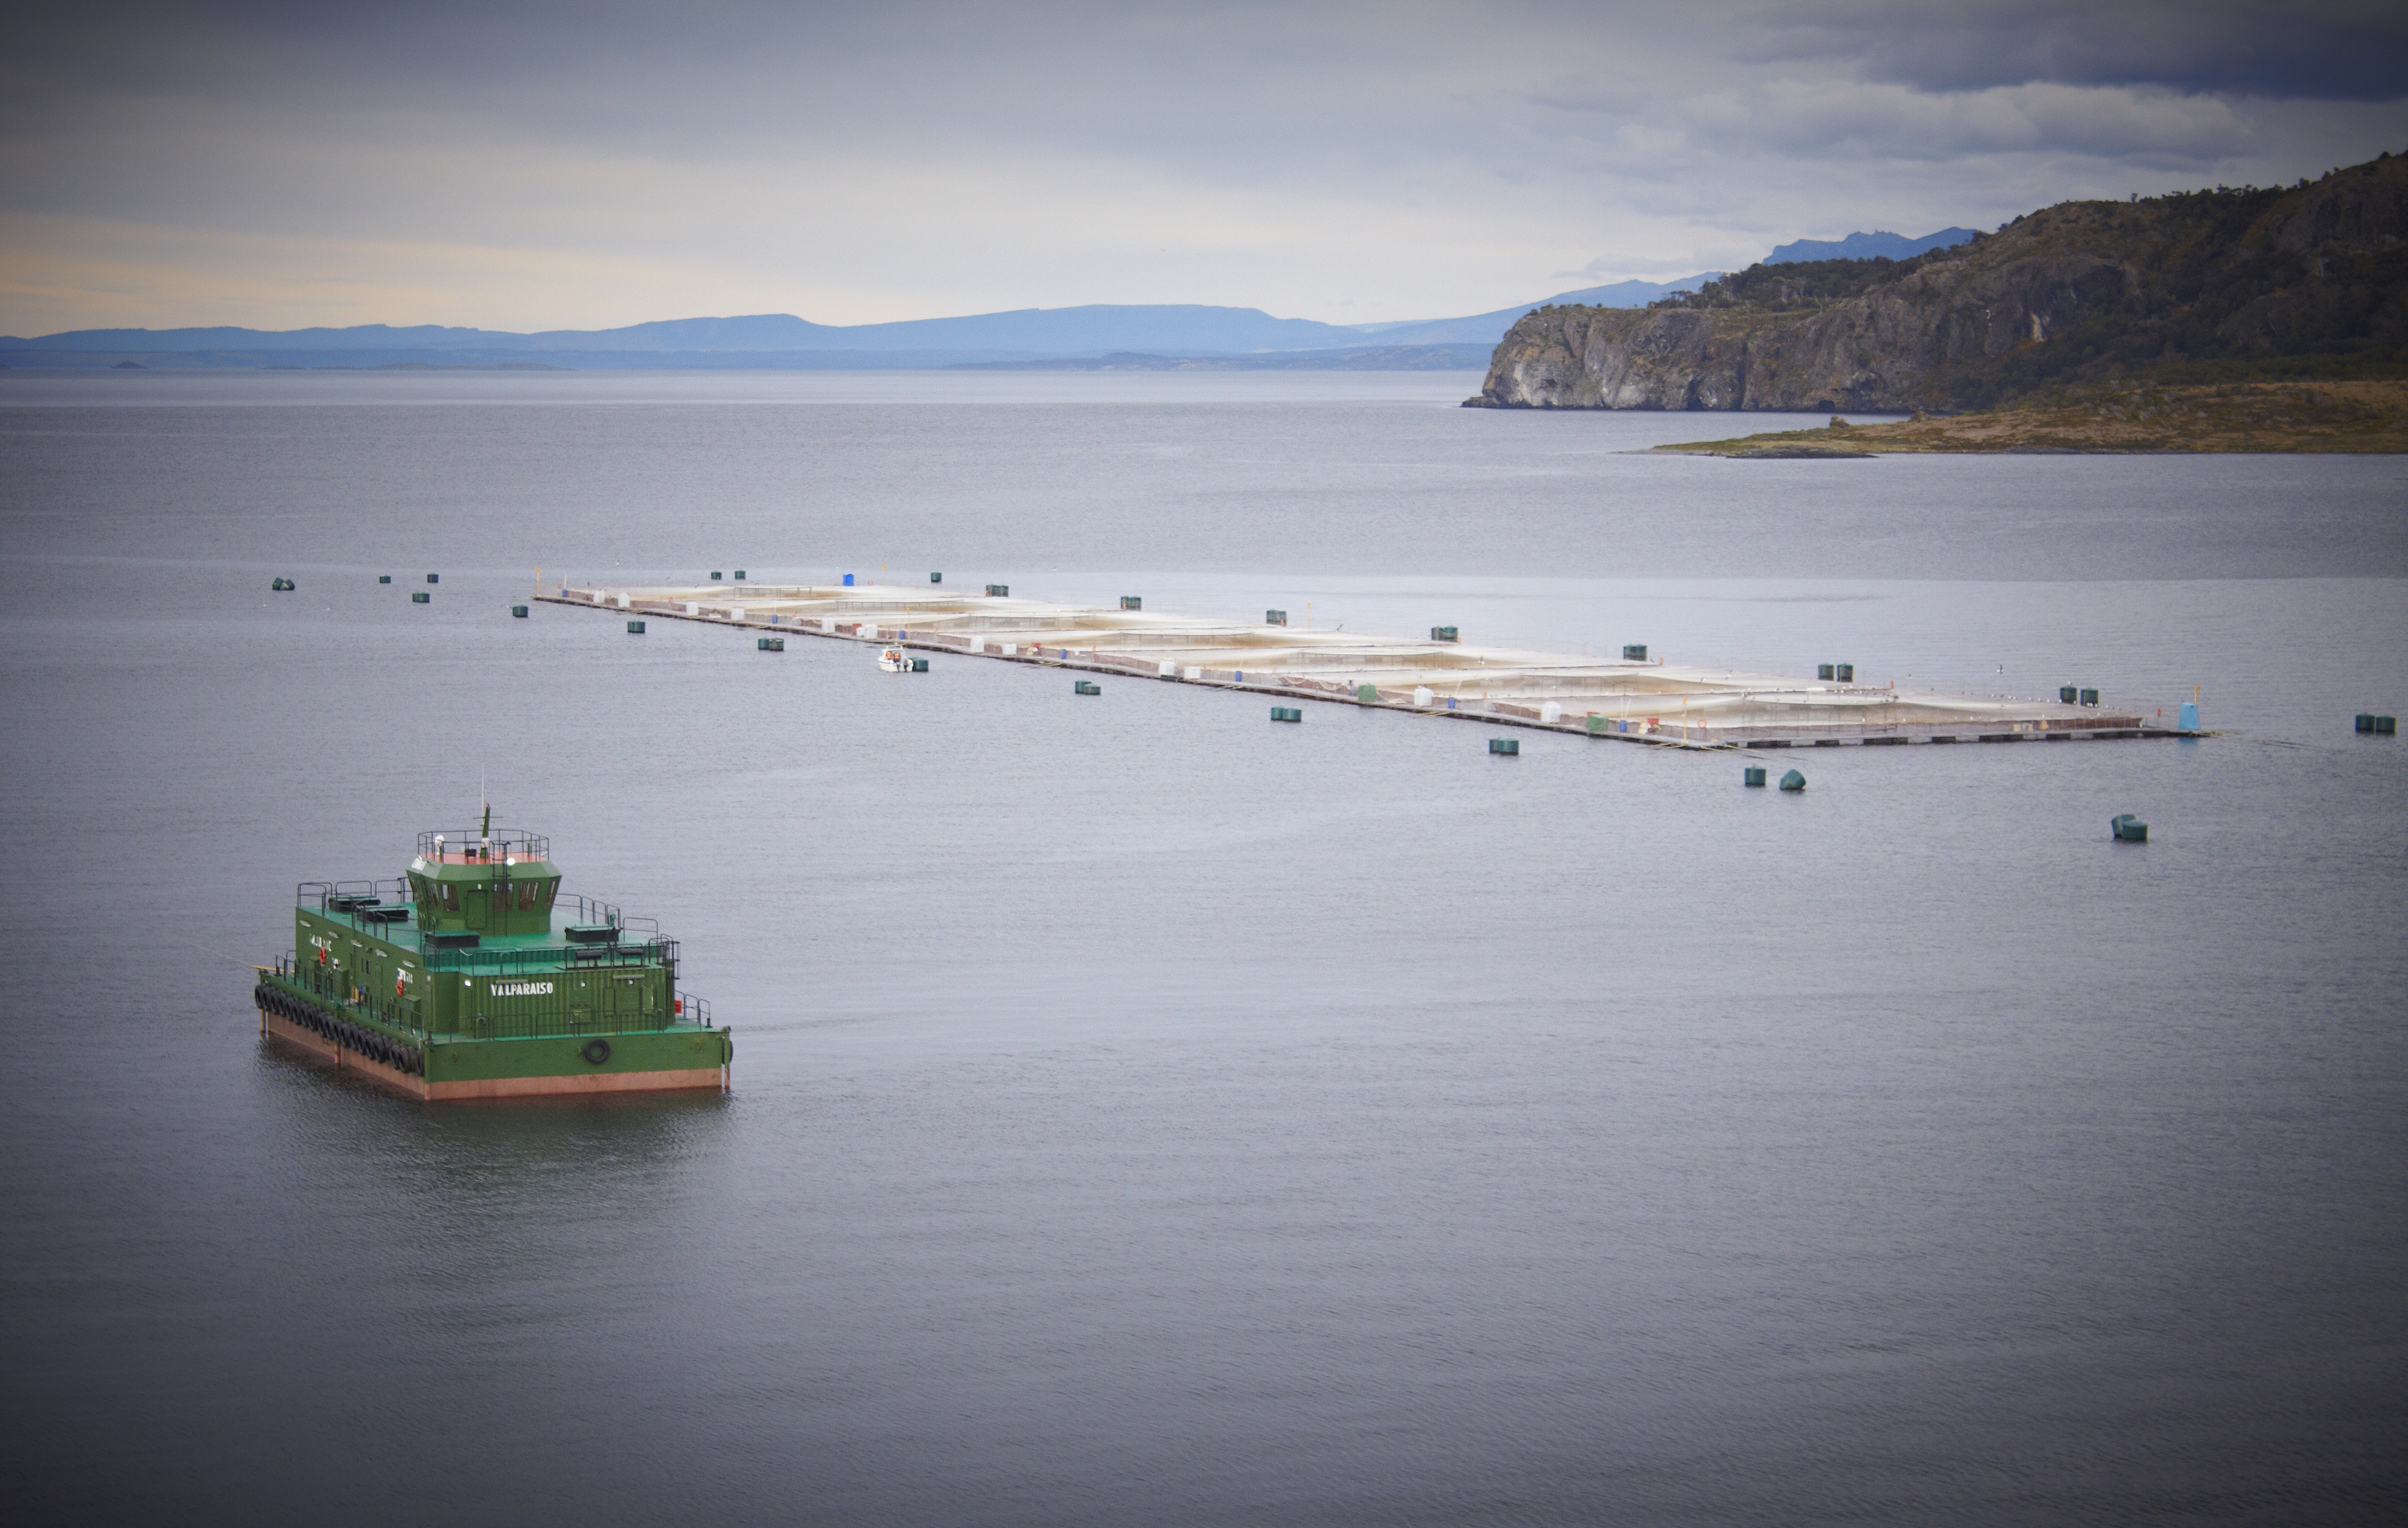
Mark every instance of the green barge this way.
pixel 474 976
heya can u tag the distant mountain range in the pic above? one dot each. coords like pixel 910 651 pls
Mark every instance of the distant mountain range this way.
pixel 1124 334
pixel 1868 245
pixel 784 342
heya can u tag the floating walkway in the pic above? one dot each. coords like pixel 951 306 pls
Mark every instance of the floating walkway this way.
pixel 1636 700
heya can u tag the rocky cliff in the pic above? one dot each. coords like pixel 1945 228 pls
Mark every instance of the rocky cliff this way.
pixel 2313 279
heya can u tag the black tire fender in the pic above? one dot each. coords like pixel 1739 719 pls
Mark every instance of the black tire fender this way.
pixel 596 1052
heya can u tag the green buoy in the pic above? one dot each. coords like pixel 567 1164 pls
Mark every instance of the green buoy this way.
pixel 1085 686
pixel 2128 828
pixel 1823 671
pixel 919 666
pixel 739 575
pixel 998 591
pixel 936 578
pixel 770 644
pixel 1847 673
pixel 1752 775
pixel 1793 781
pixel 1274 617
pixel 433 578
pixel 636 628
pixel 518 611
pixel 1443 634
pixel 1287 714
pixel 1510 747
pixel 422 598
pixel 716 576
pixel 1131 602
pixel 384 578
pixel 1634 651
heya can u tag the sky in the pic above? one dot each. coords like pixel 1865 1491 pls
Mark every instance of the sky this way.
pixel 523 166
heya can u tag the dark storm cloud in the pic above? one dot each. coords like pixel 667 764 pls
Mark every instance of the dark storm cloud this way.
pixel 2296 50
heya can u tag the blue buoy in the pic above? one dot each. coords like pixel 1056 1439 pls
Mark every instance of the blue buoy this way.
pixel 848 580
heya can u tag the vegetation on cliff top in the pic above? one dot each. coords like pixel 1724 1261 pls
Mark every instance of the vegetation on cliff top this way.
pixel 2194 289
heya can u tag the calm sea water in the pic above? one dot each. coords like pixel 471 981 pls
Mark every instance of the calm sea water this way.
pixel 1146 1114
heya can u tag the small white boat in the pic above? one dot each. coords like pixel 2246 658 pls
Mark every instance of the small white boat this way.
pixel 894 660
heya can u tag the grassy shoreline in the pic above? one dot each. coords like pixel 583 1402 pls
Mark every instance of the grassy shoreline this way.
pixel 2256 417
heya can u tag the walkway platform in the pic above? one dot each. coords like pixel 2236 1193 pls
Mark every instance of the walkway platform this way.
pixel 1649 701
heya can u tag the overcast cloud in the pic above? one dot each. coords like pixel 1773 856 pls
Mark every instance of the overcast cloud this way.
pixel 528 167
